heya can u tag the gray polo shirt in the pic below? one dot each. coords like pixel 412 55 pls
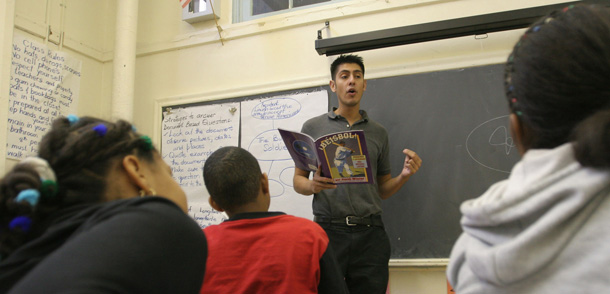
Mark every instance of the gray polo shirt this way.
pixel 352 199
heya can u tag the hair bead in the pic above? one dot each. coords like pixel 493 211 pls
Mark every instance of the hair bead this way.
pixel 30 195
pixel 101 129
pixel 21 222
pixel 73 119
pixel 148 141
pixel 49 188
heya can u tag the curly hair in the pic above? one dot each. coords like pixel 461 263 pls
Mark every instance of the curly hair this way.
pixel 81 158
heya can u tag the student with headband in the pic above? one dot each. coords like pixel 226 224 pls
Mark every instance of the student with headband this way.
pixel 545 229
pixel 97 212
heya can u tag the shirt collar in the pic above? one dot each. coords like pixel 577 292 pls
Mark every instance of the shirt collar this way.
pixel 332 115
pixel 254 215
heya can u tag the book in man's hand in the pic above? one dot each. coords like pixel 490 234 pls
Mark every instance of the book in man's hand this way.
pixel 342 156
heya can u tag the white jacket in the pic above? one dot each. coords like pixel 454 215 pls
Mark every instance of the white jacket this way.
pixel 546 229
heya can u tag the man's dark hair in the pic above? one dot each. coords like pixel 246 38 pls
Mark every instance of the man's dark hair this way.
pixel 232 176
pixel 350 58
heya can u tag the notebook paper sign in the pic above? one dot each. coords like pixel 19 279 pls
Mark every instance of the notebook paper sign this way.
pixel 44 84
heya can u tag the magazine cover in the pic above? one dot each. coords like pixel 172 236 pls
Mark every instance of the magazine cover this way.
pixel 343 156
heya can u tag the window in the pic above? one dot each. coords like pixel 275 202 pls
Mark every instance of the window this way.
pixel 244 10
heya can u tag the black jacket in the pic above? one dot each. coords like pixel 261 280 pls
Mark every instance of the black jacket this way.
pixel 138 245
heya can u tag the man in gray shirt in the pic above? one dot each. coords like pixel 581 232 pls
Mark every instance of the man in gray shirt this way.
pixel 351 214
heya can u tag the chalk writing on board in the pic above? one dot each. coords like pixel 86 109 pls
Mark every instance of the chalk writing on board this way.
pixel 487 138
pixel 189 136
pixel 44 84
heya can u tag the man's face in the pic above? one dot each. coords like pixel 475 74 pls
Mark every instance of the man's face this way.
pixel 349 84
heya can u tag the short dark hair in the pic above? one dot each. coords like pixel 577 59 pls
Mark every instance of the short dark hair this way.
pixel 557 82
pixel 350 58
pixel 232 176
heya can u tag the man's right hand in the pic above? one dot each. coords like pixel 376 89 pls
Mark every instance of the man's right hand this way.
pixel 303 185
pixel 319 183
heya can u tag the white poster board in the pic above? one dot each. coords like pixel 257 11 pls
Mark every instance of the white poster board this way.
pixel 189 136
pixel 260 120
pixel 44 85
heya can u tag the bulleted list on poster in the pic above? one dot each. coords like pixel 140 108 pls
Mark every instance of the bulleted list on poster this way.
pixel 342 156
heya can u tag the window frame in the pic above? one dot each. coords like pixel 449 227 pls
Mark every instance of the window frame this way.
pixel 242 9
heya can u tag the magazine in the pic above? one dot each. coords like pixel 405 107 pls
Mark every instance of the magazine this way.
pixel 342 156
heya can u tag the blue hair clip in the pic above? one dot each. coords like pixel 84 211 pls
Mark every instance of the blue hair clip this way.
pixel 30 195
pixel 72 119
pixel 22 222
pixel 101 130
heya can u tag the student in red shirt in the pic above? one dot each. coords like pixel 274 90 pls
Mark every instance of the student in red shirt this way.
pixel 257 251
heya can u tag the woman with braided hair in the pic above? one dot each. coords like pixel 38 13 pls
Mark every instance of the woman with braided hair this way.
pixel 97 212
pixel 545 229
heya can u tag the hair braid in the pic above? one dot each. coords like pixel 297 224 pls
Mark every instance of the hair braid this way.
pixel 80 156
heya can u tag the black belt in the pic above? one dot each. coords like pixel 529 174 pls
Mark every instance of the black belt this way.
pixel 350 220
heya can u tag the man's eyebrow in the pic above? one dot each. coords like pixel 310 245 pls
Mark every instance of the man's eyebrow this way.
pixel 348 71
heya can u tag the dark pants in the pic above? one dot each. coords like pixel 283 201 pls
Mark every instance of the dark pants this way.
pixel 363 254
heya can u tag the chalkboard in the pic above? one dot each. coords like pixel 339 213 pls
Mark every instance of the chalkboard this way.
pixel 457 121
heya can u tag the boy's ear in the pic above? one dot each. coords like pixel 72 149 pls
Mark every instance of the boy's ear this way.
pixel 135 171
pixel 265 184
pixel 215 205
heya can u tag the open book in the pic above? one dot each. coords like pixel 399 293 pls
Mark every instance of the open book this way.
pixel 343 156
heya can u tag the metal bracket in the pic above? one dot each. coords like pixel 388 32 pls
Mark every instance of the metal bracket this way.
pixel 326 26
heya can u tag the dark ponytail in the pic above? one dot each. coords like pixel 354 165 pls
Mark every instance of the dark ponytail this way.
pixel 592 140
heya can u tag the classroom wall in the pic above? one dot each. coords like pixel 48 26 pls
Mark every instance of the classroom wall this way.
pixel 179 63
pixel 87 27
pixel 182 63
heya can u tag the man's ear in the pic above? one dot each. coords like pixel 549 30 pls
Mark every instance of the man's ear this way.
pixel 135 171
pixel 333 86
pixel 364 88
pixel 214 205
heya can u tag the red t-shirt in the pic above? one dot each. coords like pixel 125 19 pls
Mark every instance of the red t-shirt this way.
pixel 264 253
